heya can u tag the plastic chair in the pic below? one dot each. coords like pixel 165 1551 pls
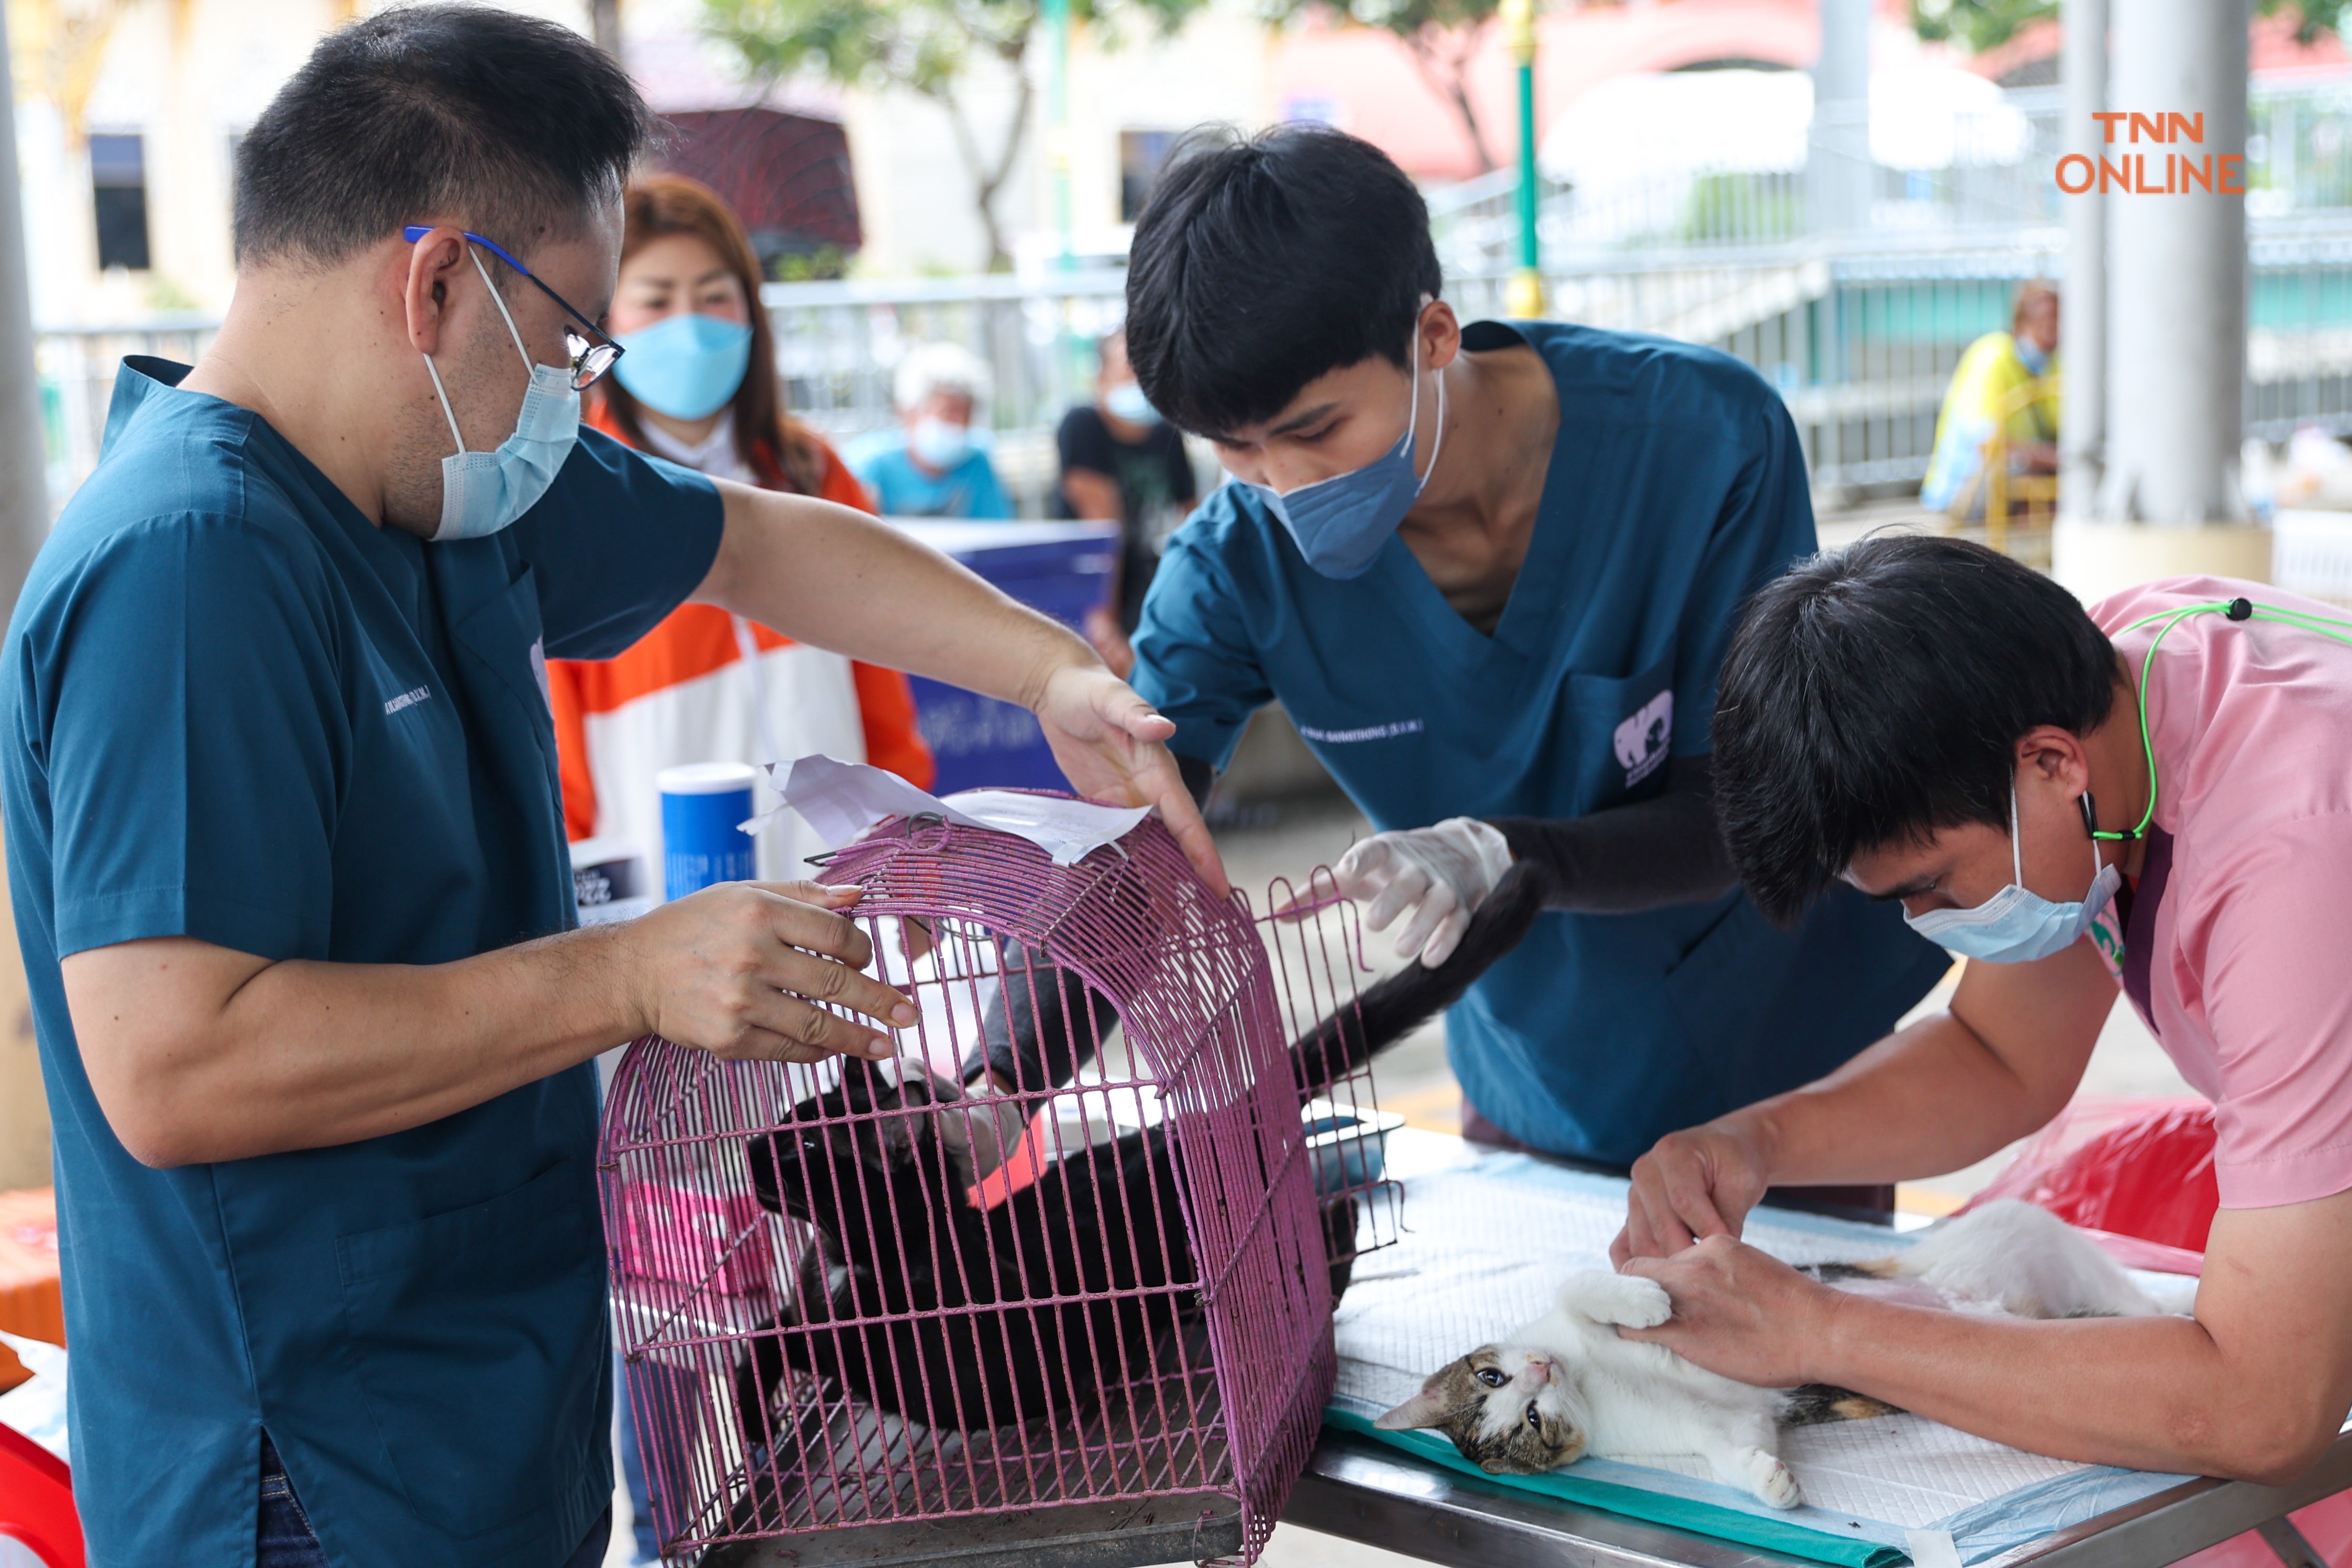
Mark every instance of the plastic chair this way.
pixel 36 1505
pixel 2028 500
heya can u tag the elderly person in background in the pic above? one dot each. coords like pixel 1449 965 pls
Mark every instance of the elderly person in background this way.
pixel 934 466
pixel 1985 397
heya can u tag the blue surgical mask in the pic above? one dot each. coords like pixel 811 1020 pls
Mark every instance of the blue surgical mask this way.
pixel 482 492
pixel 1127 402
pixel 2014 926
pixel 2032 355
pixel 938 444
pixel 686 366
pixel 1341 523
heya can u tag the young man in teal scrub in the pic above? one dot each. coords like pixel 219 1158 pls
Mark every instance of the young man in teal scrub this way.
pixel 1490 571
pixel 286 852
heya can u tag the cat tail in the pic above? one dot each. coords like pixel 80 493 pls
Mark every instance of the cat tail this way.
pixel 1356 1032
pixel 1818 1404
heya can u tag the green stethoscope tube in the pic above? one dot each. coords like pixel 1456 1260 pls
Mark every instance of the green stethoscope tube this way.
pixel 2236 609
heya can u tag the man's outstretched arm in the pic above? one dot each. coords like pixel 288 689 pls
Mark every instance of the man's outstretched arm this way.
pixel 2254 1387
pixel 837 578
pixel 1941 1094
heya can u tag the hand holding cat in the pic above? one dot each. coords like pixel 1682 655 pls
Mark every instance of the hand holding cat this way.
pixel 1694 1184
pixel 1741 1313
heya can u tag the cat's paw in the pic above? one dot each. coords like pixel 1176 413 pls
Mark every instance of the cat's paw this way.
pixel 1626 1299
pixel 1767 1479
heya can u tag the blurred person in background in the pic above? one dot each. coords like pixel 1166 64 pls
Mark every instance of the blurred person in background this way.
pixel 1986 380
pixel 935 465
pixel 1121 460
pixel 697 386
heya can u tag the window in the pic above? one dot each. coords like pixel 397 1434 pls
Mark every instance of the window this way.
pixel 1140 155
pixel 118 179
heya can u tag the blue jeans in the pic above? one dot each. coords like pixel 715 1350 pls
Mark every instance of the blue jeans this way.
pixel 285 1539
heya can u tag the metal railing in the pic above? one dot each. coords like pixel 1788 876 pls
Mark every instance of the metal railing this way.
pixel 1860 348
pixel 76 366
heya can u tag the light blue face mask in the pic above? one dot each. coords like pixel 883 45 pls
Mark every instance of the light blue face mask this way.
pixel 686 366
pixel 2032 356
pixel 2015 926
pixel 482 492
pixel 1127 402
pixel 938 444
pixel 1341 523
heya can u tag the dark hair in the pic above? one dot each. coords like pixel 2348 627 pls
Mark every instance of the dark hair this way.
pixel 1876 693
pixel 515 127
pixel 783 454
pixel 1264 261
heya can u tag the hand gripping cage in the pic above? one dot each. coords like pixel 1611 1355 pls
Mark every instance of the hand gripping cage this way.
pixel 863 1309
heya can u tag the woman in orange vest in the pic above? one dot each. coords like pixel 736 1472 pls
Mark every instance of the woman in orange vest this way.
pixel 699 389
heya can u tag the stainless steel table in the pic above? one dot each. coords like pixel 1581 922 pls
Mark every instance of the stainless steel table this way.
pixel 1364 1490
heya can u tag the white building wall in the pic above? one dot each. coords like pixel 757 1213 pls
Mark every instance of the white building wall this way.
pixel 186 76
pixel 1216 69
pixel 915 196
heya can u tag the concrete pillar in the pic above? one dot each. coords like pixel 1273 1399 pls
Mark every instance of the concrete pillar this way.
pixel 2082 309
pixel 24 523
pixel 1838 170
pixel 2169 501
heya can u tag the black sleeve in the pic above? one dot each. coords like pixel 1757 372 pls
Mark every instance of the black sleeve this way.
pixel 1084 442
pixel 1200 777
pixel 1663 851
pixel 1182 487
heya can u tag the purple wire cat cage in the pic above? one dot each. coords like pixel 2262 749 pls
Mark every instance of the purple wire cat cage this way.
pixel 893 1320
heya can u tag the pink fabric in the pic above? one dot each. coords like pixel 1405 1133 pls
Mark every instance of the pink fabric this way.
pixel 2253 728
pixel 2327 1524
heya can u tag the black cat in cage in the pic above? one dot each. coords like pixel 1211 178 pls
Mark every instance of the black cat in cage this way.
pixel 1099 1234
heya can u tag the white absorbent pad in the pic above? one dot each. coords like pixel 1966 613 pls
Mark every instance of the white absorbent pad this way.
pixel 1484 1249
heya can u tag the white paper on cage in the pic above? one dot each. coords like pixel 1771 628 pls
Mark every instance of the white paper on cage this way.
pixel 1483 1251
pixel 842 800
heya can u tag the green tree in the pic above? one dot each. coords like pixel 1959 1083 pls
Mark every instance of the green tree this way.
pixel 924 47
pixel 1981 25
pixel 1441 35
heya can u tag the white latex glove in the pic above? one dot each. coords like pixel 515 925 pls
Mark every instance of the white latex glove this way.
pixel 1439 873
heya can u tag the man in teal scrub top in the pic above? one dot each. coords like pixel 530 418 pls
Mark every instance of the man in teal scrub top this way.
pixel 1490 571
pixel 286 847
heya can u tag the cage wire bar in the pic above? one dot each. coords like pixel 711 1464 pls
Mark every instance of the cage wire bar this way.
pixel 842 1325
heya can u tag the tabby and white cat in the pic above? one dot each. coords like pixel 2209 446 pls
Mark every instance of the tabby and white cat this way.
pixel 1566 1385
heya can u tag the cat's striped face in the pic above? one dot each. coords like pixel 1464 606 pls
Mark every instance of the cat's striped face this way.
pixel 1509 1410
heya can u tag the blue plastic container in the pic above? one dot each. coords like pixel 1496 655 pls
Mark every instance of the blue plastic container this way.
pixel 1062 569
pixel 704 805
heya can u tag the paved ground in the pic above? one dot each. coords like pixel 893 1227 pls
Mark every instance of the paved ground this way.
pixel 1413 1079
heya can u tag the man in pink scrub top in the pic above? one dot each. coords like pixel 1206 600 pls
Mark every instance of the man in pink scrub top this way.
pixel 1935 724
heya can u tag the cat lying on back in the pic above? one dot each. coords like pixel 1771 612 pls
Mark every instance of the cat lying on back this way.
pixel 1566 1385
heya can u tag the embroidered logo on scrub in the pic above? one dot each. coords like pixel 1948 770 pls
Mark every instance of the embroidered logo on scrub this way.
pixel 1642 739
pixel 1368 732
pixel 406 699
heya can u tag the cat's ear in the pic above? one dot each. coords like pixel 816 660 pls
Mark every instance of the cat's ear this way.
pixel 1426 1408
